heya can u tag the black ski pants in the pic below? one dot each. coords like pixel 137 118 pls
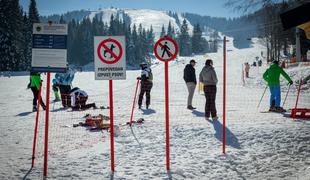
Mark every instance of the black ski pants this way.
pixel 210 94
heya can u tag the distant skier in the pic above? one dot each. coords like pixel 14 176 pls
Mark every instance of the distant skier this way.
pixel 191 82
pixel 247 69
pixel 65 82
pixel 146 84
pixel 34 85
pixel 208 77
pixel 79 98
pixel 272 76
pixel 56 87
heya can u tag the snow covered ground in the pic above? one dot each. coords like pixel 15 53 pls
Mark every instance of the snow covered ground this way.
pixel 259 145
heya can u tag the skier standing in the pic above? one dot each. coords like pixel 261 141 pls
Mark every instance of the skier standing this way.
pixel 272 76
pixel 35 84
pixel 208 77
pixel 65 82
pixel 146 84
pixel 191 82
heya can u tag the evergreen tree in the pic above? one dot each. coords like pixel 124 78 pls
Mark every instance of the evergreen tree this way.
pixel 170 30
pixel 197 40
pixel 184 40
pixel 163 31
pixel 33 12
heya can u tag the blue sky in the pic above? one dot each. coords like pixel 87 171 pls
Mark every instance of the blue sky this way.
pixel 203 7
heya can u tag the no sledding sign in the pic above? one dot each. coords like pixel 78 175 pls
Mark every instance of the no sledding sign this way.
pixel 110 57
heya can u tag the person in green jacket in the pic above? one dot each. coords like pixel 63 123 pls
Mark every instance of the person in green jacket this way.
pixel 35 83
pixel 272 76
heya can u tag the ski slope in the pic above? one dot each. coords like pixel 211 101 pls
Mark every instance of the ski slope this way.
pixel 145 17
pixel 259 145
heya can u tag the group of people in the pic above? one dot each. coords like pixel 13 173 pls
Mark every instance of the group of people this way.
pixel 62 82
pixel 76 98
pixel 209 80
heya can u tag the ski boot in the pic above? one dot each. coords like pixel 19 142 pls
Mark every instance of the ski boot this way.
pixel 34 109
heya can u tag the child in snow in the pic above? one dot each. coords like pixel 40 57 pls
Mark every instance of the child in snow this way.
pixel 190 80
pixel 272 76
pixel 35 84
pixel 55 87
pixel 208 77
pixel 65 82
pixel 79 98
pixel 146 84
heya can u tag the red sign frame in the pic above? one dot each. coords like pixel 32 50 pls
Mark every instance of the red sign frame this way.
pixel 102 44
pixel 158 43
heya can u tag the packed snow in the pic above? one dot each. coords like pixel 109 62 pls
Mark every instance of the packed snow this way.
pixel 259 145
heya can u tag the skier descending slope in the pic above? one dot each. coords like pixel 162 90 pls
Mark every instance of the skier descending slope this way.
pixel 35 83
pixel 272 76
pixel 146 84
pixel 208 77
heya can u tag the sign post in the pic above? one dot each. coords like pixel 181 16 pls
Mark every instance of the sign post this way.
pixel 166 49
pixel 110 64
pixel 224 96
pixel 49 54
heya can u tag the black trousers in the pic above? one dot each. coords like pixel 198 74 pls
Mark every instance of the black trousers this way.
pixel 210 94
pixel 35 92
pixel 80 104
pixel 65 96
pixel 146 87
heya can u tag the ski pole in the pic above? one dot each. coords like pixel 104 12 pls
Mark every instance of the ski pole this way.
pixel 262 97
pixel 134 102
pixel 286 95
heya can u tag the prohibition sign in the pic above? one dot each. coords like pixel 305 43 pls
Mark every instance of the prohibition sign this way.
pixel 103 44
pixel 163 44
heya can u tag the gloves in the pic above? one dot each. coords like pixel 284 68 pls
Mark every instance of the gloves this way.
pixel 291 82
pixel 138 78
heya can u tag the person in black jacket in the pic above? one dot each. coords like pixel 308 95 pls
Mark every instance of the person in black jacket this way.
pixel 190 80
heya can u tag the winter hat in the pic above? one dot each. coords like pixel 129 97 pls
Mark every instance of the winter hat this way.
pixel 275 62
pixel 143 65
pixel 209 62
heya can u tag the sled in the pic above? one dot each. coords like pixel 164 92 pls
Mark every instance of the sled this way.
pixel 300 113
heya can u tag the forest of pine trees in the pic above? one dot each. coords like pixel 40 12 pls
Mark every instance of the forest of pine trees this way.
pixel 16 37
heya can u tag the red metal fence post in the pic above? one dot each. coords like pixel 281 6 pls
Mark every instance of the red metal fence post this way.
pixel 111 125
pixel 167 116
pixel 46 123
pixel 134 102
pixel 224 95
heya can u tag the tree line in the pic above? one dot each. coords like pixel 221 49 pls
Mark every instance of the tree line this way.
pixel 270 27
pixel 16 37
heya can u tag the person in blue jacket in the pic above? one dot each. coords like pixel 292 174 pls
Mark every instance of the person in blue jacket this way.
pixel 65 83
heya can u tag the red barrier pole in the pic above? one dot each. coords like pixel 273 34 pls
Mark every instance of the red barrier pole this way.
pixel 167 116
pixel 46 122
pixel 36 128
pixel 111 125
pixel 224 95
pixel 298 94
pixel 134 102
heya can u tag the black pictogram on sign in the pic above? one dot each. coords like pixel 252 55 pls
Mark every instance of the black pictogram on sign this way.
pixel 108 51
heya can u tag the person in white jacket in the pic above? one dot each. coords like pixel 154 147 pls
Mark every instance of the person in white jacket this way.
pixel 79 98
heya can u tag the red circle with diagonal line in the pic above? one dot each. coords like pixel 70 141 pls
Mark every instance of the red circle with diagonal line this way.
pixel 159 43
pixel 103 45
